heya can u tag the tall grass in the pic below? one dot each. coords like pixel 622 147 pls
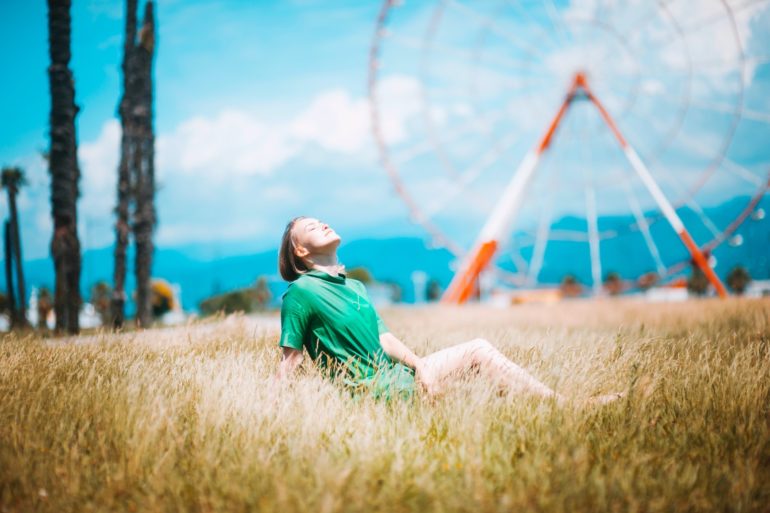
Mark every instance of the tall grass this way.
pixel 187 420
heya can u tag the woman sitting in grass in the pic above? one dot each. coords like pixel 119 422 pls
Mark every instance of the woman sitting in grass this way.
pixel 331 316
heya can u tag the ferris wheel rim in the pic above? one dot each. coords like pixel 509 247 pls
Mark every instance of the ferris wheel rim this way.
pixel 667 138
pixel 439 237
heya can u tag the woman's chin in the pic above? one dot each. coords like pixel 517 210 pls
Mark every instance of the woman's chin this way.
pixel 334 240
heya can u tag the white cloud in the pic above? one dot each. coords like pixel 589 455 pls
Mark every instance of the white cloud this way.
pixel 707 35
pixel 232 143
pixel 233 147
pixel 171 234
pixel 99 166
pixel 240 143
pixel 98 186
pixel 43 221
pixel 334 121
pixel 399 102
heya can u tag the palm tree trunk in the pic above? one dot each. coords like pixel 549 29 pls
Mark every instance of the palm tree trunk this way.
pixel 16 244
pixel 127 164
pixel 63 166
pixel 12 313
pixel 144 215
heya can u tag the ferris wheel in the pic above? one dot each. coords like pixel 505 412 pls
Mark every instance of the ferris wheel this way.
pixel 522 133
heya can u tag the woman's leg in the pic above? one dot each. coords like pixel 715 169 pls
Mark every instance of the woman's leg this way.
pixel 480 354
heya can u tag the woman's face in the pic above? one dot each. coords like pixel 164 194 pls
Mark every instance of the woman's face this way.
pixel 311 236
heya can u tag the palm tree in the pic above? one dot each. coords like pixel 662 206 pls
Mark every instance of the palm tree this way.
pixel 63 166
pixel 127 145
pixel 697 283
pixel 738 279
pixel 432 290
pixel 262 294
pixel 647 280
pixel 13 314
pixel 613 283
pixel 144 215
pixel 100 299
pixel 570 286
pixel 12 179
pixel 136 173
pixel 44 306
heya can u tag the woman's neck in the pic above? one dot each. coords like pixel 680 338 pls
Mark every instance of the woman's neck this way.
pixel 327 263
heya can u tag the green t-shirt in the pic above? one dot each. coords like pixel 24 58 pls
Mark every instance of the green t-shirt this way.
pixel 333 319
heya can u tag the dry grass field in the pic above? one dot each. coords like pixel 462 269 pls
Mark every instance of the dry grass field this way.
pixel 185 419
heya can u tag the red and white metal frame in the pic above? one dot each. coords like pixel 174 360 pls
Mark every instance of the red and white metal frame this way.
pixel 498 225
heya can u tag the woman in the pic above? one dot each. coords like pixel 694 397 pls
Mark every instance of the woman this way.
pixel 331 317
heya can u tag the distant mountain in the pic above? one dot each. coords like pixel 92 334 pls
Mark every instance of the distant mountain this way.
pixel 395 259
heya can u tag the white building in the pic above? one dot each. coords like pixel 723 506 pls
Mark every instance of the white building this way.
pixel 758 288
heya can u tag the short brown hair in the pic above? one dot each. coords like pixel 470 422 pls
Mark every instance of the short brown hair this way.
pixel 289 264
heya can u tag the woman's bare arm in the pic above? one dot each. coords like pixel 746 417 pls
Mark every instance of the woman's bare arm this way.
pixel 398 351
pixel 289 362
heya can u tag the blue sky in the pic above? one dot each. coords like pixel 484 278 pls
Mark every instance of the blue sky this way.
pixel 234 66
pixel 262 111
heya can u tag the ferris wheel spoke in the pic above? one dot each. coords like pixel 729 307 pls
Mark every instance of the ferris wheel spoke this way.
pixel 547 35
pixel 611 74
pixel 671 179
pixel 557 21
pixel 640 23
pixel 704 218
pixel 493 26
pixel 415 43
pixel 518 260
pixel 507 81
pixel 727 163
pixel 712 106
pixel 733 66
pixel 508 65
pixel 592 216
pixel 742 172
pixel 759 60
pixel 470 175
pixel 515 84
pixel 754 115
pixel 457 92
pixel 593 239
pixel 644 227
pixel 706 22
pixel 704 72
pixel 478 125
pixel 568 236
pixel 406 155
pixel 449 94
pixel 541 241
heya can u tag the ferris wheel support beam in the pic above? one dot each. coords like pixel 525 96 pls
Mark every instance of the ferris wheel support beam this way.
pixel 657 194
pixel 464 283
pixel 495 230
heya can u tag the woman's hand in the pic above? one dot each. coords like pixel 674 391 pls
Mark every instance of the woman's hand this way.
pixel 424 377
pixel 290 360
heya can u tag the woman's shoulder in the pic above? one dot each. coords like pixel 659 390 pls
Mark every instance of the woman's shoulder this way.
pixel 298 289
pixel 356 285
